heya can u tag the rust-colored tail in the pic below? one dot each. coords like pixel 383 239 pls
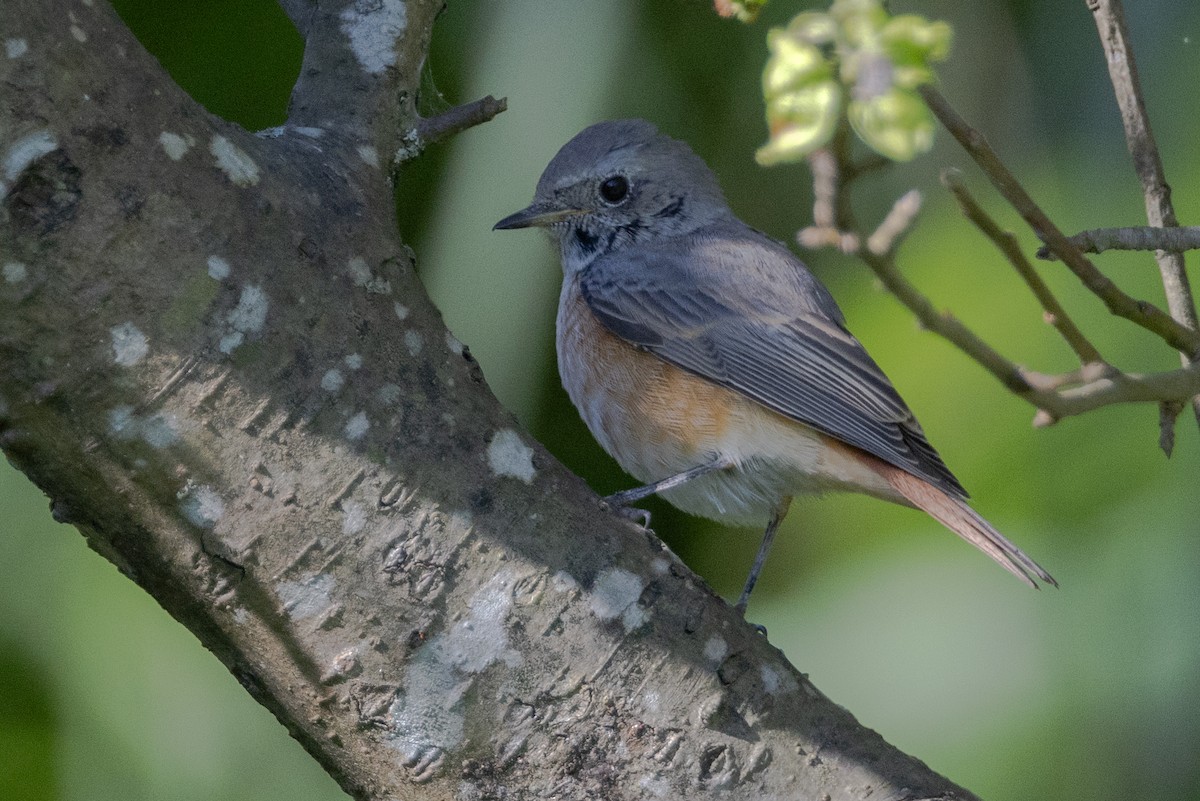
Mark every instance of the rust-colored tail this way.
pixel 964 521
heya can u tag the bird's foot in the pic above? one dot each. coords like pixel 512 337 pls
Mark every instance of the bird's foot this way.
pixel 740 608
pixel 613 504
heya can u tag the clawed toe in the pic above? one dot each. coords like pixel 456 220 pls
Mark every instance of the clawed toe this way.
pixel 639 516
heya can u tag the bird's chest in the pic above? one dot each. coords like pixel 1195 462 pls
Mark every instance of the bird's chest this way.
pixel 652 417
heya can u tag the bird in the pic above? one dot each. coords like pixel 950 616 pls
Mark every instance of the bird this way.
pixel 710 363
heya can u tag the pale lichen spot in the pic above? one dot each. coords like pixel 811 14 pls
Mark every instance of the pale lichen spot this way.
pixel 121 422
pixel 241 616
pixel 775 682
pixel 389 394
pixel 25 151
pixel 308 598
pixel 357 426
pixel 660 566
pixel 333 380
pixel 202 505
pixel 508 456
pixel 230 342
pixel 401 310
pixel 174 145
pixel 218 268
pixel 373 29
pixel 410 147
pixel 656 785
pixel 369 155
pixel 14 272
pixel 354 517
pixel 251 312
pixel 429 714
pixel 159 430
pixel 354 361
pixel 562 581
pixel 247 317
pixel 15 48
pixel 79 33
pixel 615 594
pixel 129 344
pixel 414 341
pixel 454 344
pixel 360 271
pixel 715 649
pixel 234 162
pixel 309 131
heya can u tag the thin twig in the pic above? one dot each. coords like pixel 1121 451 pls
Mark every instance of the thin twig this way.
pixel 1144 313
pixel 1168 413
pixel 1055 314
pixel 1122 71
pixel 1055 396
pixel 1098 240
pixel 458 119
pixel 887 236
pixel 827 182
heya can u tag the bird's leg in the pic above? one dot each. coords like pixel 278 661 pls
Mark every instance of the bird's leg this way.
pixel 626 497
pixel 621 500
pixel 761 558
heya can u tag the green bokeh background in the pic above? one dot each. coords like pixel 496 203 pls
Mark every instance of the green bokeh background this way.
pixel 1088 692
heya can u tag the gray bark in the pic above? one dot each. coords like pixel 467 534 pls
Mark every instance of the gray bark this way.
pixel 217 361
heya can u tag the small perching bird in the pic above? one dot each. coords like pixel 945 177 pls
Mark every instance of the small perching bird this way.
pixel 707 359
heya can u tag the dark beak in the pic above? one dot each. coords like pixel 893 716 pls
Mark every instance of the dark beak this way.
pixel 536 215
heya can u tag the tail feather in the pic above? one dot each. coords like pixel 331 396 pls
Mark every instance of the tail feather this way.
pixel 964 521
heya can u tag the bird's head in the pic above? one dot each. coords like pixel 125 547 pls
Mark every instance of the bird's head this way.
pixel 617 183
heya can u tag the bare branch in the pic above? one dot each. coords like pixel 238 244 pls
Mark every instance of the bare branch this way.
pixel 1141 312
pixel 1118 387
pixel 1168 413
pixel 1056 396
pixel 452 121
pixel 1122 71
pixel 827 183
pixel 887 236
pixel 1098 240
pixel 1055 314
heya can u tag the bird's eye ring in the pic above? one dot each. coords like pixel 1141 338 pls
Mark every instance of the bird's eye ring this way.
pixel 614 189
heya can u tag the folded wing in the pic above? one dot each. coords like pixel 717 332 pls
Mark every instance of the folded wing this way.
pixel 740 310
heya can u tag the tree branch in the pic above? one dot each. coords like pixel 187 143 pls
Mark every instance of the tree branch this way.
pixel 1143 313
pixel 1094 385
pixel 1122 71
pixel 216 358
pixel 1098 240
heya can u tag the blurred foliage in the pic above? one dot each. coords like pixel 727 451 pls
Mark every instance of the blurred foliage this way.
pixel 858 60
pixel 1090 692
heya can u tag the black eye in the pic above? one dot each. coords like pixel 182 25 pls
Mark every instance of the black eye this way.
pixel 614 189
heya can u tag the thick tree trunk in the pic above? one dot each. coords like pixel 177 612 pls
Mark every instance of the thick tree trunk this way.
pixel 216 359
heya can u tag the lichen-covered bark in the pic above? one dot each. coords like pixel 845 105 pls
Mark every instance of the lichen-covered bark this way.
pixel 216 359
